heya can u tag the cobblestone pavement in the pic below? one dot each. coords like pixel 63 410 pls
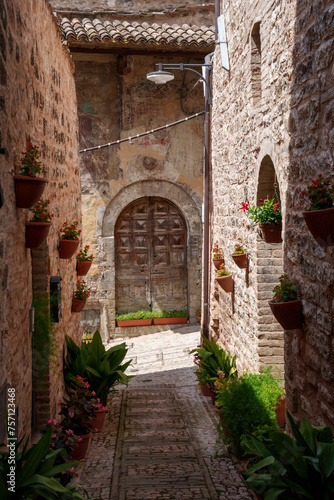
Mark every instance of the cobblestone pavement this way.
pixel 160 439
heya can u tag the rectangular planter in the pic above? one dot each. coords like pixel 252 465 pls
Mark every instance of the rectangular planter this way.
pixel 169 321
pixel 135 322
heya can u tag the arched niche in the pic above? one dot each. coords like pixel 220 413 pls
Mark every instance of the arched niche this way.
pixel 267 180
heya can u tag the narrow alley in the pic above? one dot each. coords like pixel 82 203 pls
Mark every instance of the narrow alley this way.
pixel 160 439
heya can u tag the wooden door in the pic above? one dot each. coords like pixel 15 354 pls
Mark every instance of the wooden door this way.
pixel 151 266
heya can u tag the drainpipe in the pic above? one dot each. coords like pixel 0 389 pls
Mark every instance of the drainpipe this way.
pixel 217 14
pixel 206 214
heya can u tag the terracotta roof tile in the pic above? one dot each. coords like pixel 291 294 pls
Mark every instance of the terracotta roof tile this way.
pixel 93 29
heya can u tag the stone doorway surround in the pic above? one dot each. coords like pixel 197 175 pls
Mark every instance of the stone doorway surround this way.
pixel 189 203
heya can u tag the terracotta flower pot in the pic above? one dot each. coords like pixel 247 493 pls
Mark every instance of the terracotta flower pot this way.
pixel 321 225
pixel 80 449
pixel 280 412
pixel 134 322
pixel 272 233
pixel 198 318
pixel 206 390
pixel 288 314
pixel 169 321
pixel 217 262
pixel 99 421
pixel 36 233
pixel 28 190
pixel 240 259
pixel 226 282
pixel 78 305
pixel 68 248
pixel 83 267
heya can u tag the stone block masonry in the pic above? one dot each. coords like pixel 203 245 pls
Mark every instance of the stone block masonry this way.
pixel 272 120
pixel 37 104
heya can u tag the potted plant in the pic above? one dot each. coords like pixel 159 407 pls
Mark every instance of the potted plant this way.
pixel 268 216
pixel 285 306
pixel 77 412
pixel 198 315
pixel 217 256
pixel 28 186
pixel 69 239
pixel 38 227
pixel 170 317
pixel 320 219
pixel 301 466
pixel 84 261
pixel 100 367
pixel 225 279
pixel 80 296
pixel 138 318
pixel 240 255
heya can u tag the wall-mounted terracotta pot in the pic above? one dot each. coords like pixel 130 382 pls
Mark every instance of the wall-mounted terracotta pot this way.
pixel 226 282
pixel 78 305
pixel 240 259
pixel 68 248
pixel 321 225
pixel 272 233
pixel 36 233
pixel 288 314
pixel 28 190
pixel 83 267
pixel 217 262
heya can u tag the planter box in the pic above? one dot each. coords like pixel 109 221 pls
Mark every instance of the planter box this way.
pixel 78 305
pixel 68 248
pixel 272 233
pixel 134 322
pixel 28 190
pixel 36 233
pixel 169 321
pixel 240 259
pixel 217 262
pixel 83 267
pixel 321 225
pixel 226 282
pixel 288 314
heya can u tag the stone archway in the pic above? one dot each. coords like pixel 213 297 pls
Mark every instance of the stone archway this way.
pixel 189 205
pixel 269 267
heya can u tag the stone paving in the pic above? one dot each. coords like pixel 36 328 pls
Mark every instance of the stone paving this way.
pixel 160 439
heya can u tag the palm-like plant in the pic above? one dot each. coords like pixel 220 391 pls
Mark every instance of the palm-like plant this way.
pixel 100 367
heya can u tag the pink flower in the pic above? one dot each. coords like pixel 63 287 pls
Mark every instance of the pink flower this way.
pixel 52 421
pixel 69 432
pixel 93 393
pixel 71 414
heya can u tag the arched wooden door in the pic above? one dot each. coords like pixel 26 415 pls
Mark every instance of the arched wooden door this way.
pixel 151 264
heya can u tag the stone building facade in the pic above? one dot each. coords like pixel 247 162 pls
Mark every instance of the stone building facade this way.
pixel 141 200
pixel 37 104
pixel 272 123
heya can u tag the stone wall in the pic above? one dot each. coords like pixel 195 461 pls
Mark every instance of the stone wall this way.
pixel 37 104
pixel 309 353
pixel 115 100
pixel 289 119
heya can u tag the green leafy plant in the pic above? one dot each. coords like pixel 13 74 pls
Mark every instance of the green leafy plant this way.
pixel 70 231
pixel 222 271
pixel 135 315
pixel 320 192
pixel 268 213
pixel 217 252
pixel 285 291
pixel 213 363
pixel 44 338
pixel 30 164
pixel 100 367
pixel 199 313
pixel 299 468
pixel 83 255
pixel 175 313
pixel 35 472
pixel 238 248
pixel 40 211
pixel 248 402
pixel 82 292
